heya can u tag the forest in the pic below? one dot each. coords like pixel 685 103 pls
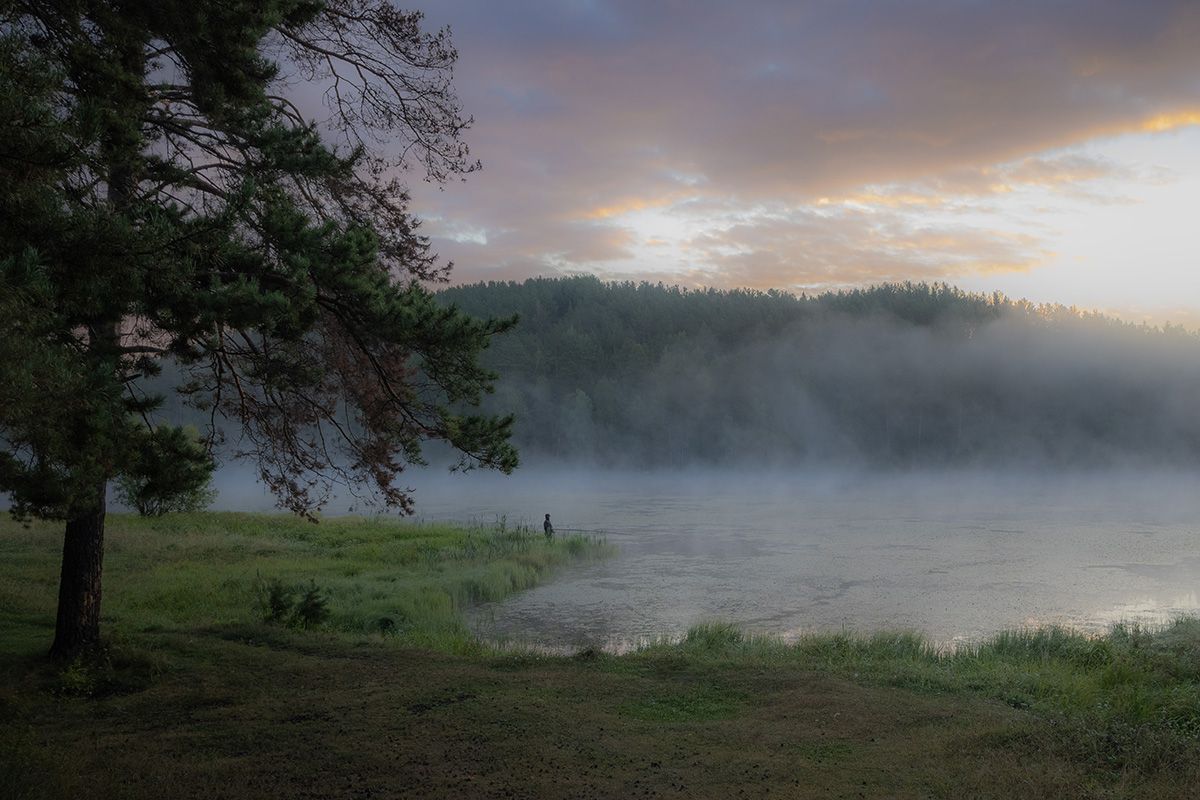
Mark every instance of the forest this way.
pixel 897 375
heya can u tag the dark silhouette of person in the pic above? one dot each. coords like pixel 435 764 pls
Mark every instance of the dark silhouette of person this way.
pixel 548 528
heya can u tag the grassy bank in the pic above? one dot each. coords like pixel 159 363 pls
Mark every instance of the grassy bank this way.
pixel 1128 701
pixel 378 578
pixel 197 696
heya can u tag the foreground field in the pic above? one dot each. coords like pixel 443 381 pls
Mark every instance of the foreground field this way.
pixel 388 695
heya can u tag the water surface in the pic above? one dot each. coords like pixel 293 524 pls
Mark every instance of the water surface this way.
pixel 955 556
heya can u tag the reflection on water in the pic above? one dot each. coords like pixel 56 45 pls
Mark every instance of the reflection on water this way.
pixel 954 556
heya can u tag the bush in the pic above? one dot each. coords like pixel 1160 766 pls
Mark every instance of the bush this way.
pixel 171 472
pixel 312 609
pixel 299 606
pixel 274 599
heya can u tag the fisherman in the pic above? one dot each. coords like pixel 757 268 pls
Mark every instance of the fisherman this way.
pixel 548 528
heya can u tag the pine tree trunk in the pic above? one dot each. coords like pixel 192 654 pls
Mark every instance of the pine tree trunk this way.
pixel 78 625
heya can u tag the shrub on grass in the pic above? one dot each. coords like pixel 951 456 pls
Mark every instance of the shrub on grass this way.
pixel 170 473
pixel 274 599
pixel 312 608
pixel 299 606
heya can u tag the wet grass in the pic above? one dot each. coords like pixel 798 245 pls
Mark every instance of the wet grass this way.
pixel 194 695
pixel 408 583
pixel 1128 701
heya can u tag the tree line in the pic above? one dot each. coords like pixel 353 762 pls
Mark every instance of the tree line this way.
pixel 894 375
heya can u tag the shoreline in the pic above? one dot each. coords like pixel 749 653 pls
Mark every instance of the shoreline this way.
pixel 191 692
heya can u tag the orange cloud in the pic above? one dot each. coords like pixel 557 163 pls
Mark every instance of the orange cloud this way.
pixel 625 206
pixel 1170 121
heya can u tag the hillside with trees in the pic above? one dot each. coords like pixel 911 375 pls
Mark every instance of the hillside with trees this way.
pixel 896 375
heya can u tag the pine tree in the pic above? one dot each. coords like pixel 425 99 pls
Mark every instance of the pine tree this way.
pixel 164 199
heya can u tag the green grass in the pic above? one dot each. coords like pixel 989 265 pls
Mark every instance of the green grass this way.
pixel 408 583
pixel 1128 700
pixel 700 704
pixel 194 692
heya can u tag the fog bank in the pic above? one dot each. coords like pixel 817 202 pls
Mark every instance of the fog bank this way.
pixel 896 376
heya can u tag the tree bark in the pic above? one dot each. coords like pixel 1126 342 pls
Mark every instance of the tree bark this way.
pixel 78 625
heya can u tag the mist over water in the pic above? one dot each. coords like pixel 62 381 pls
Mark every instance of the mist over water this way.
pixel 956 555
pixel 903 457
pixel 897 376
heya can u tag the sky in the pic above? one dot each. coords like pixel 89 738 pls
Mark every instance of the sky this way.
pixel 1049 150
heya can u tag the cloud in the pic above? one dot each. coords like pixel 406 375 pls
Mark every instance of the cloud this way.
pixel 593 116
pixel 1055 172
pixel 806 250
